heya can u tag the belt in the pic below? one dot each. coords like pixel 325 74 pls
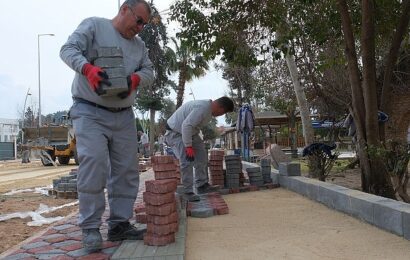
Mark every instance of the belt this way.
pixel 111 109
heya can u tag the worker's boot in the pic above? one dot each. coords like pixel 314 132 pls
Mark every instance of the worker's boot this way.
pixel 190 196
pixel 92 240
pixel 206 188
pixel 125 231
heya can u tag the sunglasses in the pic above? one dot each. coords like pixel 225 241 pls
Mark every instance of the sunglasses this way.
pixel 138 20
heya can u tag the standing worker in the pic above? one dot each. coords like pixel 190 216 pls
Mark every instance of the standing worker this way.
pixel 144 143
pixel 182 136
pixel 105 125
pixel 161 144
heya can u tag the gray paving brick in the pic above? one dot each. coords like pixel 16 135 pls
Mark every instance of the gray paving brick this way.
pixel 52 236
pixel 34 245
pixel 289 169
pixel 284 181
pixel 362 205
pixel 202 213
pixel 388 215
pixel 18 256
pixel 65 243
pixel 76 234
pixel 300 185
pixel 313 191
pixel 62 227
pixel 406 223
pixel 275 177
pixel 78 253
pixel 341 201
pixel 51 254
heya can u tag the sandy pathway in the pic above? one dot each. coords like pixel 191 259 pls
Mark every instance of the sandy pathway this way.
pixel 279 224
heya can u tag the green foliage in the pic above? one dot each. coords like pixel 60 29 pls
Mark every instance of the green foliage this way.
pixel 395 156
pixel 209 131
pixel 155 38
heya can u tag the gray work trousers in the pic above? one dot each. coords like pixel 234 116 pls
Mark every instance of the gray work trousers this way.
pixel 174 140
pixel 107 151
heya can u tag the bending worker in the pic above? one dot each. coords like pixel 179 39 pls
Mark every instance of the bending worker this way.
pixel 182 136
pixel 105 125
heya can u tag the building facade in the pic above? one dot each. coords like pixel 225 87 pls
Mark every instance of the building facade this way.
pixel 9 130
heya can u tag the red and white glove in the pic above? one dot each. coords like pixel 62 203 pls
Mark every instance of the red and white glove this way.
pixel 96 77
pixel 133 81
pixel 190 154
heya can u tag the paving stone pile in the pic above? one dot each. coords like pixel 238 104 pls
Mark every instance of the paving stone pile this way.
pixel 211 204
pixel 233 175
pixel 177 170
pixel 266 170
pixel 255 176
pixel 216 167
pixel 161 211
pixel 66 186
pixel 160 203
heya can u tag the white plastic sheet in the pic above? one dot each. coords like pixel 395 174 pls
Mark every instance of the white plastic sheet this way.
pixel 37 218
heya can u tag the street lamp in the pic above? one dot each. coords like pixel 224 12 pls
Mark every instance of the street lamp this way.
pixel 39 86
pixel 192 93
pixel 24 115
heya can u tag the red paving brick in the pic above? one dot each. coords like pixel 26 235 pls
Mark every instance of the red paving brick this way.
pixel 95 256
pixel 164 167
pixel 72 247
pixel 154 240
pixel 158 199
pixel 161 186
pixel 166 175
pixel 161 210
pixel 162 159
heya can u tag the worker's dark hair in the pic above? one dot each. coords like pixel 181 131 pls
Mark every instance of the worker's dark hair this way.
pixel 226 103
pixel 133 3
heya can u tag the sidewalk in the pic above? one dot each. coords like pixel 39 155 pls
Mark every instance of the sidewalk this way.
pixel 281 224
pixel 63 239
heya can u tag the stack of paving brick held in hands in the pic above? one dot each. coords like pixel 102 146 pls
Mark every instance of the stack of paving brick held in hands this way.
pixel 233 165
pixel 266 170
pixel 216 167
pixel 255 176
pixel 161 210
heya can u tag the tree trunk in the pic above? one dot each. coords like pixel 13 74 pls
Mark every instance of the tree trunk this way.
pixel 292 131
pixel 181 86
pixel 151 130
pixel 386 98
pixel 302 102
pixel 364 103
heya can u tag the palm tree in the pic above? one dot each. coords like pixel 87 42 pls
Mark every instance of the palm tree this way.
pixel 189 65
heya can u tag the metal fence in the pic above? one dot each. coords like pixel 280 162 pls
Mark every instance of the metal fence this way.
pixel 7 151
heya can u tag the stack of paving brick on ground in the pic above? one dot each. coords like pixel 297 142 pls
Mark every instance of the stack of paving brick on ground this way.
pixel 160 203
pixel 233 166
pixel 216 167
pixel 266 170
pixel 161 210
pixel 177 170
pixel 255 176
pixel 66 186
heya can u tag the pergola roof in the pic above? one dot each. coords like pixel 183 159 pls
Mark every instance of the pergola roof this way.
pixel 272 118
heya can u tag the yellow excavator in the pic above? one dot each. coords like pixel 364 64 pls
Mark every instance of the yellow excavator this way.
pixel 53 142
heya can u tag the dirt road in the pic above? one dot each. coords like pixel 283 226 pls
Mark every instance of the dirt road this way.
pixel 14 175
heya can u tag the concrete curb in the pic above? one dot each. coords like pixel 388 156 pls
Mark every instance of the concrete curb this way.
pixel 387 214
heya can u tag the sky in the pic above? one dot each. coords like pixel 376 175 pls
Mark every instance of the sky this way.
pixel 20 24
